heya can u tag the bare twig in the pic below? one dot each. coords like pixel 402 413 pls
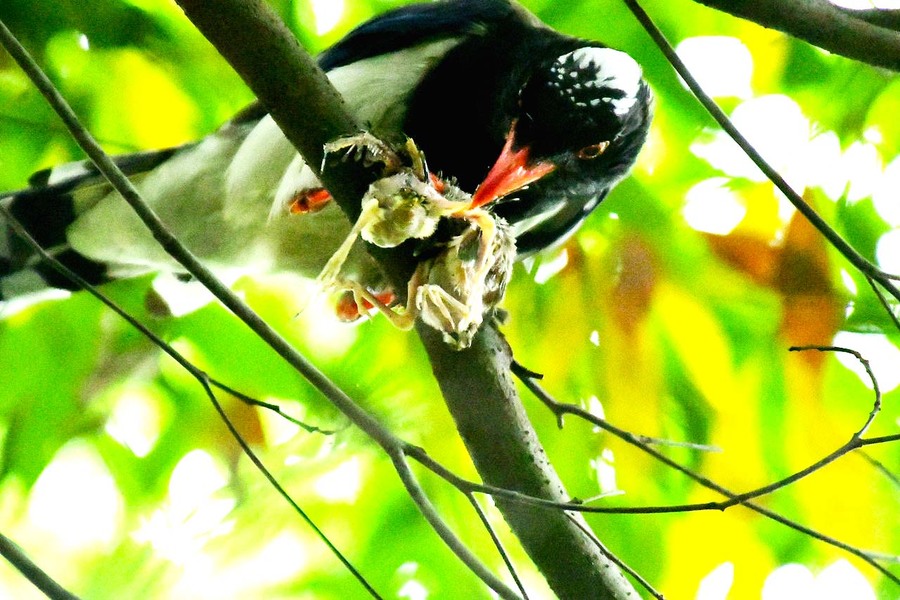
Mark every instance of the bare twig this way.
pixel 885 303
pixel 870 37
pixel 485 522
pixel 511 495
pixel 284 494
pixel 270 407
pixel 18 559
pixel 198 374
pixel 876 408
pixel 839 243
pixel 733 497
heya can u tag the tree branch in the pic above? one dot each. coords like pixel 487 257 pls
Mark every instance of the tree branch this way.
pixel 867 37
pixel 475 383
pixel 362 419
pixel 11 552
pixel 889 19
pixel 507 453
pixel 269 64
pixel 864 266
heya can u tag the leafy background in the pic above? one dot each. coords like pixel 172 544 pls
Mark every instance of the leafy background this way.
pixel 671 311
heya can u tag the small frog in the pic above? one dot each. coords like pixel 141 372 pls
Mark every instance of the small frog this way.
pixel 455 286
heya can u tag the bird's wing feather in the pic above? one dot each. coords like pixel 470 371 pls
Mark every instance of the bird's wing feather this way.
pixel 249 173
pixel 411 26
pixel 222 208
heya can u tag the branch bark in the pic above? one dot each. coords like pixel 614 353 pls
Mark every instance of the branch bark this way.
pixel 476 382
pixel 489 415
pixel 392 445
pixel 868 37
pixel 887 18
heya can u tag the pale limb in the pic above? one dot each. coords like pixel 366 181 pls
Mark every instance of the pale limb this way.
pixel 331 272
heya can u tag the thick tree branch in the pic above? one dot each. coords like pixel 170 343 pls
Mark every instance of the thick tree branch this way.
pixel 475 382
pixel 507 453
pixel 359 417
pixel 889 19
pixel 868 37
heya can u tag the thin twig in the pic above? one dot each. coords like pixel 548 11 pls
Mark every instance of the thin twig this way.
pixel 884 439
pixel 420 498
pixel 467 487
pixel 482 516
pixel 885 303
pixel 876 408
pixel 733 497
pixel 615 559
pixel 855 441
pixel 198 374
pixel 284 494
pixel 842 246
pixel 24 565
pixel 271 407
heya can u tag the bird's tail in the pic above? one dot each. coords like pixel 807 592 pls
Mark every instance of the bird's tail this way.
pixel 54 200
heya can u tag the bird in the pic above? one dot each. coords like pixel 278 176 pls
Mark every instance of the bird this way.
pixel 539 126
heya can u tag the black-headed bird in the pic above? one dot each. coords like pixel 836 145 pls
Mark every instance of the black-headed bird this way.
pixel 538 125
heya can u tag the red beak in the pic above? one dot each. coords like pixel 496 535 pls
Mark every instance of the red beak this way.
pixel 511 172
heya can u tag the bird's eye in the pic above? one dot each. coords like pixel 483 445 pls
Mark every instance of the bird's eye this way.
pixel 593 151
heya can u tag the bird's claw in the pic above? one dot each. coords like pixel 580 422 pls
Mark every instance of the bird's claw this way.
pixel 366 149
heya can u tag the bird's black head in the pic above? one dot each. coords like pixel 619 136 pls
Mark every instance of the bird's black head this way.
pixel 581 121
pixel 587 112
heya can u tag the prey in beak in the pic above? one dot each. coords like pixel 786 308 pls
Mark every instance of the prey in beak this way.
pixel 512 172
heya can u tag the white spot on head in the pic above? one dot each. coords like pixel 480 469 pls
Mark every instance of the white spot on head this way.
pixel 612 69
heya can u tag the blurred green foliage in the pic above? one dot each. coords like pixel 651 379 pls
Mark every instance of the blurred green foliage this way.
pixel 677 333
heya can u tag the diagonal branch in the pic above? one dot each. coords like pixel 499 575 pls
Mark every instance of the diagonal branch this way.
pixel 41 580
pixel 205 382
pixel 834 238
pixel 475 382
pixel 867 36
pixel 359 417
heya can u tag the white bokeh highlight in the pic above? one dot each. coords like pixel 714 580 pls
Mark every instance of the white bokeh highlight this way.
pixel 722 65
pixel 838 581
pixel 712 206
pixel 75 500
pixel 877 349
